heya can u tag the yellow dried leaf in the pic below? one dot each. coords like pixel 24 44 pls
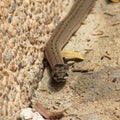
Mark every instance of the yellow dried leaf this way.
pixel 115 0
pixel 72 55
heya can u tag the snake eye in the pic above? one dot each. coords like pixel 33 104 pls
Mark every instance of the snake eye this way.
pixel 60 72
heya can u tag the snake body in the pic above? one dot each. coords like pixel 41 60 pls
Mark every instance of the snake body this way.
pixel 61 36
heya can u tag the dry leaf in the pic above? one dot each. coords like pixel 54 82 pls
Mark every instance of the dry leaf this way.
pixel 72 55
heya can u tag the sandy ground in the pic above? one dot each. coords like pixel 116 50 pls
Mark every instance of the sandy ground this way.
pixel 90 93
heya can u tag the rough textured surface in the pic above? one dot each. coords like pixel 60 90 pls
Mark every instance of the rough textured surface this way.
pixel 25 27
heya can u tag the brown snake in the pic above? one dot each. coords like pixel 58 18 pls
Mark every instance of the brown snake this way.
pixel 61 36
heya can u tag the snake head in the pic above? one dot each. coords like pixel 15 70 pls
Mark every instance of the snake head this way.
pixel 60 72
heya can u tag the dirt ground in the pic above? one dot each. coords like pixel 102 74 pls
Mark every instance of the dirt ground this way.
pixel 92 90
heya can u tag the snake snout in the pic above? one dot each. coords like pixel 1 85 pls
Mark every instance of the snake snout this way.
pixel 60 72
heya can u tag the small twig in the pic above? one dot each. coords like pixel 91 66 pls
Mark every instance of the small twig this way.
pixel 104 36
pixel 114 24
pixel 98 33
pixel 73 116
pixel 82 70
pixel 46 113
pixel 105 56
pixel 109 14
pixel 118 100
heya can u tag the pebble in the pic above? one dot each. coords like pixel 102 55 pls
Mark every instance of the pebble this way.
pixel 37 116
pixel 13 5
pixel 27 113
pixel 10 19
pixel 26 3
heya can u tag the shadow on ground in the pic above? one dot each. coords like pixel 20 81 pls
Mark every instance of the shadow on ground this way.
pixel 104 84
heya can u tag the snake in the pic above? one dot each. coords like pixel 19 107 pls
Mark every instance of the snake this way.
pixel 61 36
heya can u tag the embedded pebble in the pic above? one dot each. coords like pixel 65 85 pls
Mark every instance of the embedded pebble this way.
pixel 26 113
pixel 37 116
pixel 10 19
pixel 13 5
pixel 26 2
